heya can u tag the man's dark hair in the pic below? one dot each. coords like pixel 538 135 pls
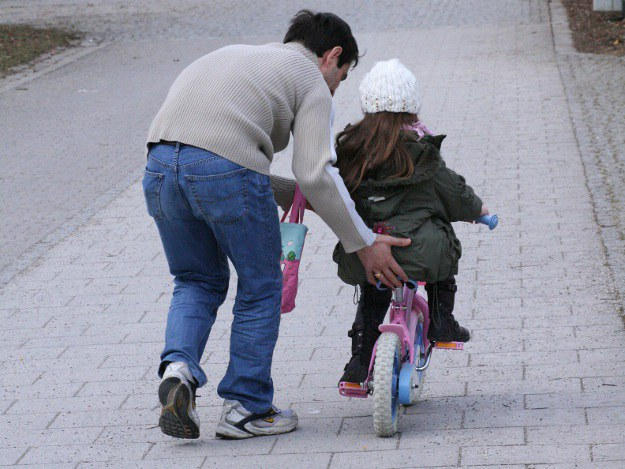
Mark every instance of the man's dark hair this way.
pixel 320 32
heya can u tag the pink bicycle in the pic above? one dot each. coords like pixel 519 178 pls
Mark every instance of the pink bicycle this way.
pixel 401 355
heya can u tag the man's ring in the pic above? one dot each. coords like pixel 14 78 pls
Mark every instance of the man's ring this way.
pixel 378 275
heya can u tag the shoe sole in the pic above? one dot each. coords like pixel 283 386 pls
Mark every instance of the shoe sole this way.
pixel 226 431
pixel 175 398
pixel 235 434
pixel 450 338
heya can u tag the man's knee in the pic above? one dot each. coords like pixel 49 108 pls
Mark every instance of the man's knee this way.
pixel 201 287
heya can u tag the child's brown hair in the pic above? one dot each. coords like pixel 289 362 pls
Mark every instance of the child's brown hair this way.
pixel 374 142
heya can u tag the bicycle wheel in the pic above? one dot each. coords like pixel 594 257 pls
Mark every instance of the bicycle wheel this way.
pixel 386 385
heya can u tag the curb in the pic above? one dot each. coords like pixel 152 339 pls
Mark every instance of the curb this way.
pixel 562 35
pixel 48 63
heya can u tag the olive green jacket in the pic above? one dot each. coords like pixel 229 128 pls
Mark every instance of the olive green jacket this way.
pixel 420 207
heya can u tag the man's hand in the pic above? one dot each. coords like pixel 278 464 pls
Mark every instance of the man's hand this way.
pixel 379 263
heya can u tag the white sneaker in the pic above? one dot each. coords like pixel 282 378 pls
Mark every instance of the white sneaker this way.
pixel 237 423
pixel 177 395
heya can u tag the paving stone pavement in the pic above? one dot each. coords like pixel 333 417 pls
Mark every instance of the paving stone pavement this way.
pixel 540 385
pixel 132 52
pixel 594 86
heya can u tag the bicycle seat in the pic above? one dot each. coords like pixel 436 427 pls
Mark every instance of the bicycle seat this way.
pixel 412 284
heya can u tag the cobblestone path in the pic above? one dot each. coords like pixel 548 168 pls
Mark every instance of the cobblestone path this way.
pixel 541 384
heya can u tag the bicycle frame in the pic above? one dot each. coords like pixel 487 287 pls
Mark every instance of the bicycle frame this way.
pixel 401 354
pixel 408 309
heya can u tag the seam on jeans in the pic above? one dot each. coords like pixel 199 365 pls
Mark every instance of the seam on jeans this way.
pixel 155 174
pixel 185 199
pixel 270 211
pixel 203 160
pixel 209 177
pixel 162 163
pixel 159 177
pixel 264 185
pixel 177 170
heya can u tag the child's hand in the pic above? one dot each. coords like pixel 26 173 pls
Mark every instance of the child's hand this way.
pixel 483 212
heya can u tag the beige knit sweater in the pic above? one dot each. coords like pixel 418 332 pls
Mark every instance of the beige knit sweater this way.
pixel 242 102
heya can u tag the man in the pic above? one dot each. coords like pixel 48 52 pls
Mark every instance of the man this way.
pixel 208 188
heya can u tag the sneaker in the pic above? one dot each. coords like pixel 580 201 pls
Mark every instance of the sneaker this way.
pixel 177 395
pixel 237 423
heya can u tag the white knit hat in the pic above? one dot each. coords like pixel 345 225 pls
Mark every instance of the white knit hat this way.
pixel 390 86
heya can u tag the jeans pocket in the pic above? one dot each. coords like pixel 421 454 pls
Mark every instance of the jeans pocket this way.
pixel 152 183
pixel 220 198
pixel 260 184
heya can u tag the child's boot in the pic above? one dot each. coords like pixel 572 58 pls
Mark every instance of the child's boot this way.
pixel 370 313
pixel 443 325
pixel 355 369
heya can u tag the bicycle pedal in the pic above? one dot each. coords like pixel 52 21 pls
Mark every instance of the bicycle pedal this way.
pixel 348 389
pixel 450 345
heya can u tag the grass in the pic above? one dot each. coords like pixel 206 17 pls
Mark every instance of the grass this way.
pixel 21 43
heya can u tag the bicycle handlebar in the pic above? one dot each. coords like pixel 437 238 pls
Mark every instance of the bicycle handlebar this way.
pixel 489 220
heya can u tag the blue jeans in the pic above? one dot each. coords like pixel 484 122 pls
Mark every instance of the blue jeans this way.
pixel 208 210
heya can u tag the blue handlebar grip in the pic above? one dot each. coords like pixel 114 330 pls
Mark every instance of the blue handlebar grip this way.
pixel 490 220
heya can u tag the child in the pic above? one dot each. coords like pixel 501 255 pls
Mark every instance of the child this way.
pixel 401 186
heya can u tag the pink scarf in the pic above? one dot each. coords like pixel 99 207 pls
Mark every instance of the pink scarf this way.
pixel 418 127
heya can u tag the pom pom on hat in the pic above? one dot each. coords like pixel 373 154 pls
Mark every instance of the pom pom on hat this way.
pixel 390 86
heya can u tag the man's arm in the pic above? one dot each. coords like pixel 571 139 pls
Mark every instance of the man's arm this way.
pixel 319 180
pixel 323 187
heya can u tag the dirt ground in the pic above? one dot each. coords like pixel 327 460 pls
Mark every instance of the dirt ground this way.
pixel 596 32
pixel 19 44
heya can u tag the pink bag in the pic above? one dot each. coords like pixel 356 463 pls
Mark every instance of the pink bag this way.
pixel 293 235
